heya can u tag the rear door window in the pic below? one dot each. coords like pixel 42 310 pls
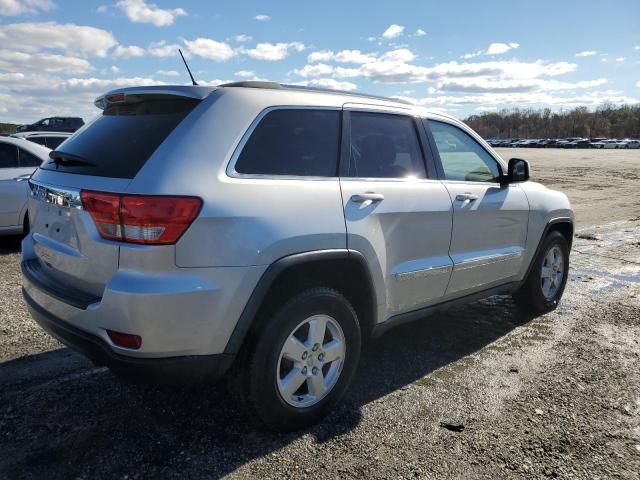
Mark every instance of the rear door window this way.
pixel 8 156
pixel 120 141
pixel 27 159
pixel 384 146
pixel 295 142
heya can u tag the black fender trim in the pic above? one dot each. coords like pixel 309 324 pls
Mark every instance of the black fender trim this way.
pixel 552 222
pixel 269 276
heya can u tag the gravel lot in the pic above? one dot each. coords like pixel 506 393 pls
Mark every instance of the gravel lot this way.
pixel 483 391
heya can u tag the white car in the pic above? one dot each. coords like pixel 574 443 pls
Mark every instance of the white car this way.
pixel 631 143
pixel 18 160
pixel 47 139
pixel 609 144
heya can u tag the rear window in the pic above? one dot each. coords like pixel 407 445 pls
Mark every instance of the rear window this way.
pixel 120 141
pixel 298 142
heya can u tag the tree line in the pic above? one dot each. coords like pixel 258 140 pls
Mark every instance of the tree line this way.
pixel 606 121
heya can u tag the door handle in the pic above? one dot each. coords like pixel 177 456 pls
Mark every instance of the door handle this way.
pixel 466 197
pixel 368 196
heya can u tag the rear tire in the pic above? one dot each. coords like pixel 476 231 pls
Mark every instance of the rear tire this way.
pixel 283 378
pixel 544 286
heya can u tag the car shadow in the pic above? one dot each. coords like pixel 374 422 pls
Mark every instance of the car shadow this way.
pixel 10 244
pixel 64 418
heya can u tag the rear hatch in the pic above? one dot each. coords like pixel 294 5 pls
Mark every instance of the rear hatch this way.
pixel 103 156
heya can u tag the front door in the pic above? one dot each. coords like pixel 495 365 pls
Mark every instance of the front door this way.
pixel 489 219
pixel 396 216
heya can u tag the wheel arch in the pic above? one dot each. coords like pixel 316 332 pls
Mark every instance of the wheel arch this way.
pixel 563 225
pixel 343 269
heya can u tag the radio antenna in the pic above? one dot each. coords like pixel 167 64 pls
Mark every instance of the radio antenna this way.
pixel 187 67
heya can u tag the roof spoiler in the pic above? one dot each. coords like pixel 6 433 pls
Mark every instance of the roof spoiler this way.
pixel 135 94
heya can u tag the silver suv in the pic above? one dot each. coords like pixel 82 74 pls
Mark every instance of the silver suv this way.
pixel 266 231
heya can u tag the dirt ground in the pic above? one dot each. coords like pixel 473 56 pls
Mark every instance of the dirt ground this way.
pixel 481 391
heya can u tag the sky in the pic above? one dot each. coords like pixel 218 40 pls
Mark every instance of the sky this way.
pixel 462 57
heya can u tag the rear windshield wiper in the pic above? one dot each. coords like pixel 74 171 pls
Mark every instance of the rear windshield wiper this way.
pixel 68 159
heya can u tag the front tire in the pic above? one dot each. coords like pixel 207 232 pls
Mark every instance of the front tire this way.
pixel 300 363
pixel 544 286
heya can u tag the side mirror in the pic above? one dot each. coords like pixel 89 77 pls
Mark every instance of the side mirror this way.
pixel 518 171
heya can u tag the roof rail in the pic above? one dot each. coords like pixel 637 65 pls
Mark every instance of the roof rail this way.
pixel 281 86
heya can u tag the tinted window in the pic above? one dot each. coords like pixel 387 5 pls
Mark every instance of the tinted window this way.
pixel 38 140
pixel 54 142
pixel 120 141
pixel 462 157
pixel 8 156
pixel 384 146
pixel 28 159
pixel 301 142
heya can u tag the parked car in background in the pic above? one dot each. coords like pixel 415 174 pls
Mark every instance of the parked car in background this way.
pixel 53 124
pixel 48 139
pixel 18 160
pixel 609 144
pixel 633 143
pixel 274 247
pixel 584 143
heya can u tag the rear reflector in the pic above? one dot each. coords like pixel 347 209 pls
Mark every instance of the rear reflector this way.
pixel 125 340
pixel 146 219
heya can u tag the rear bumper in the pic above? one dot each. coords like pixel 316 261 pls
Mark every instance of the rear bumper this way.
pixel 191 368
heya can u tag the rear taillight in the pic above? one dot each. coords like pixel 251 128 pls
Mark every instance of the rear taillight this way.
pixel 147 219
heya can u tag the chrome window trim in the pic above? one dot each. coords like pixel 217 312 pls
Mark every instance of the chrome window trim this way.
pixel 231 166
pixel 61 197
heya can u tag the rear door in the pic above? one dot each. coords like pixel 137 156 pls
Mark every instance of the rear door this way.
pixel 13 187
pixel 396 215
pixel 489 219
pixel 104 157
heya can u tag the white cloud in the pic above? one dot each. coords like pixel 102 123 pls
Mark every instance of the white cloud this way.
pixel 343 56
pixel 128 52
pixel 472 54
pixel 399 55
pixel 274 51
pixel 497 48
pixel 620 59
pixel 32 37
pixel 636 48
pixel 419 33
pixel 210 49
pixel 245 74
pixel 328 83
pixel 485 84
pixel 586 53
pixel 320 56
pixel 164 49
pixel 11 8
pixel 138 11
pixel 507 100
pixel 168 73
pixel 262 18
pixel 114 69
pixel 393 31
pixel 242 38
pixel 12 61
pixel 314 70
